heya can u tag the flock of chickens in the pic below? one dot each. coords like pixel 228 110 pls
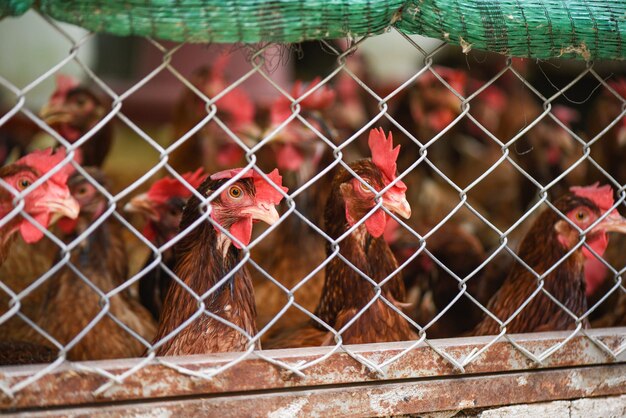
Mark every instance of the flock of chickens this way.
pixel 367 278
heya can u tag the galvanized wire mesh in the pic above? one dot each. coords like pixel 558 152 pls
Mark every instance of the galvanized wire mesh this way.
pixel 342 146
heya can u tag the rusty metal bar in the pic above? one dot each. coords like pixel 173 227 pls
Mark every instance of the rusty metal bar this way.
pixel 66 386
pixel 366 400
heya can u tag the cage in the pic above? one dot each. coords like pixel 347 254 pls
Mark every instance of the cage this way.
pixel 205 210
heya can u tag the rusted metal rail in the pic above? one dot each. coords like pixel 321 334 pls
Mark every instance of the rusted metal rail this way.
pixel 382 399
pixel 497 377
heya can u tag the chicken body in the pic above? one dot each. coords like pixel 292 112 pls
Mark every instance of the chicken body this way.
pixel 204 257
pixel 566 282
pixel 74 304
pixel 162 206
pixel 346 293
pixel 73 110
pixel 30 256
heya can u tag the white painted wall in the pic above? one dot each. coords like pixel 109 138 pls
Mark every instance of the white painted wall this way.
pixel 29 46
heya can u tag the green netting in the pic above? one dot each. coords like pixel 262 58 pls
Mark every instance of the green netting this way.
pixel 585 29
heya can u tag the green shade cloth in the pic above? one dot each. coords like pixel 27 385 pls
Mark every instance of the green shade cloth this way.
pixel 583 29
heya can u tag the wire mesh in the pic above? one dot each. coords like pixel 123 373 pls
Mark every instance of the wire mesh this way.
pixel 440 116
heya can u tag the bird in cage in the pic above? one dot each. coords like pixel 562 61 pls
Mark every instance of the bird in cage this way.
pixel 550 249
pixel 299 154
pixel 211 146
pixel 609 150
pixel 73 110
pixel 25 254
pixel 208 262
pixel 431 287
pixel 162 207
pixel 45 203
pixel 346 293
pixel 75 299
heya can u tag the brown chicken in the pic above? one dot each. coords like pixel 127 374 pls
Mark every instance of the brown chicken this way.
pixel 204 259
pixel 299 154
pixel 72 111
pixel 74 303
pixel 162 206
pixel 211 147
pixel 16 135
pixel 545 152
pixel 609 151
pixel 583 206
pixel 431 288
pixel 345 292
pixel 44 204
pixel 31 255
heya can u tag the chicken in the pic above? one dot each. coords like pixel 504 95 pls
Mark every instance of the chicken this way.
pixel 162 206
pixel 432 287
pixel 549 239
pixel 73 110
pixel 345 292
pixel 295 142
pixel 74 301
pixel 298 153
pixel 30 256
pixel 208 262
pixel 16 135
pixel 609 151
pixel 211 147
pixel 546 151
pixel 45 203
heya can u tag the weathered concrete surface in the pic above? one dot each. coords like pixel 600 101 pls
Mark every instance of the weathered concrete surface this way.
pixel 608 407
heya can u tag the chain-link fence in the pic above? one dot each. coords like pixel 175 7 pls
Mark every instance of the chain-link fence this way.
pixel 131 243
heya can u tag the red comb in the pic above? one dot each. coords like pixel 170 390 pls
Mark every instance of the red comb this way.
pixel 65 83
pixel 219 66
pixel 237 104
pixel 602 196
pixel 321 98
pixel 168 187
pixel 455 78
pixel 565 114
pixel 264 191
pixel 495 97
pixel 385 156
pixel 45 160
pixel 619 85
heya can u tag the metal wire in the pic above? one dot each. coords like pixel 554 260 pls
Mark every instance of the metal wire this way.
pixel 424 158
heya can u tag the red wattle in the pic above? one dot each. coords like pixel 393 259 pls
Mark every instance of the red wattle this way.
pixel 67 225
pixel 376 223
pixel 242 230
pixel 289 158
pixel 29 232
pixel 595 274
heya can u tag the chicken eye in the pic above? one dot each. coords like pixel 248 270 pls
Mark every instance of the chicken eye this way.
pixel 81 191
pixel 81 101
pixel 581 215
pixel 364 186
pixel 23 183
pixel 235 192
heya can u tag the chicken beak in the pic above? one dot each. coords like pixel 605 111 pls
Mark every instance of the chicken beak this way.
pixel 613 223
pixel 60 207
pixel 54 113
pixel 264 211
pixel 398 204
pixel 143 205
